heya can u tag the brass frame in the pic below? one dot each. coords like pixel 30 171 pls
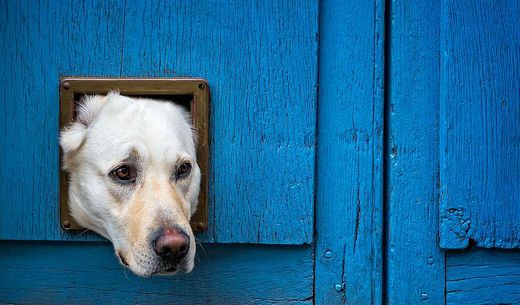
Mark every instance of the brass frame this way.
pixel 199 109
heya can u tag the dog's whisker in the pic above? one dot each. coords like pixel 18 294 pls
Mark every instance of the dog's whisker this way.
pixel 202 248
pixel 84 231
pixel 124 272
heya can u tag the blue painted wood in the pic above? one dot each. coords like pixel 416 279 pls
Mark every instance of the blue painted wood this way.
pixel 483 277
pixel 260 60
pixel 38 40
pixel 349 163
pixel 88 273
pixel 480 124
pixel 414 261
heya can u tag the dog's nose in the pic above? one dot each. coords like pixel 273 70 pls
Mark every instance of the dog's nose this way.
pixel 172 245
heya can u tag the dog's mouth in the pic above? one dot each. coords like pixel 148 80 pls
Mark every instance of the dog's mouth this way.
pixel 169 268
pixel 168 271
pixel 162 269
pixel 122 259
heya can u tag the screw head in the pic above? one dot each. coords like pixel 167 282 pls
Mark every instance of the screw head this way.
pixel 424 296
pixel 66 85
pixel 340 287
pixel 200 226
pixel 66 224
pixel 328 254
pixel 202 86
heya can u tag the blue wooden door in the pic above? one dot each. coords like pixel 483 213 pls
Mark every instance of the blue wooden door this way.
pixel 362 152
pixel 260 61
pixel 263 88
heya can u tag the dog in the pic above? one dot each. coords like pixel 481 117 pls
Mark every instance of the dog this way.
pixel 134 179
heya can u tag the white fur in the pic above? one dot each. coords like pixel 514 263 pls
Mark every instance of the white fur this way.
pixel 109 128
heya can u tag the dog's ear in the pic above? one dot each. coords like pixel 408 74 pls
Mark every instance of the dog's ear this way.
pixel 73 136
pixel 89 107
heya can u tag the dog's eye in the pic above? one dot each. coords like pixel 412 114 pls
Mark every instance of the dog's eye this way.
pixel 183 170
pixel 124 173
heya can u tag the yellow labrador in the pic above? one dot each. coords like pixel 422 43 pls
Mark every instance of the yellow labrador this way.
pixel 134 179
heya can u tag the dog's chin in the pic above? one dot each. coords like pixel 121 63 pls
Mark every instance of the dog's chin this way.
pixel 161 269
pixel 169 271
pixel 147 265
pixel 173 269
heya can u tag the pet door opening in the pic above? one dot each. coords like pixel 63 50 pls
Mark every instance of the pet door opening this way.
pixel 183 100
pixel 191 94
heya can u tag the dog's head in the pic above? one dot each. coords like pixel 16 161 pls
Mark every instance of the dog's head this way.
pixel 134 179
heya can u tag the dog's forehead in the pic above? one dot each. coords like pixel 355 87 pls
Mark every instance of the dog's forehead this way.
pixel 153 128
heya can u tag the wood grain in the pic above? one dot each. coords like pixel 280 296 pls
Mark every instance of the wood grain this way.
pixel 40 42
pixel 88 273
pixel 480 124
pixel 349 163
pixel 260 60
pixel 483 277
pixel 414 261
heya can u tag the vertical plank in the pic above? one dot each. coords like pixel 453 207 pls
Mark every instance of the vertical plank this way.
pixel 349 164
pixel 480 124
pixel 414 261
pixel 260 60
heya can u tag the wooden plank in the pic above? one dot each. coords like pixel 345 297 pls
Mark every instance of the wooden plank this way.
pixel 414 261
pixel 41 41
pixel 480 124
pixel 88 273
pixel 260 60
pixel 483 277
pixel 349 163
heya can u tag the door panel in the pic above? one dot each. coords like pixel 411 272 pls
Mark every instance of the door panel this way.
pixel 480 124
pixel 88 273
pixel 260 60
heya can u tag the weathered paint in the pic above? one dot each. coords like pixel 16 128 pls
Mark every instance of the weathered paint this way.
pixel 480 124
pixel 260 60
pixel 452 81
pixel 349 165
pixel 483 277
pixel 88 273
pixel 414 261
